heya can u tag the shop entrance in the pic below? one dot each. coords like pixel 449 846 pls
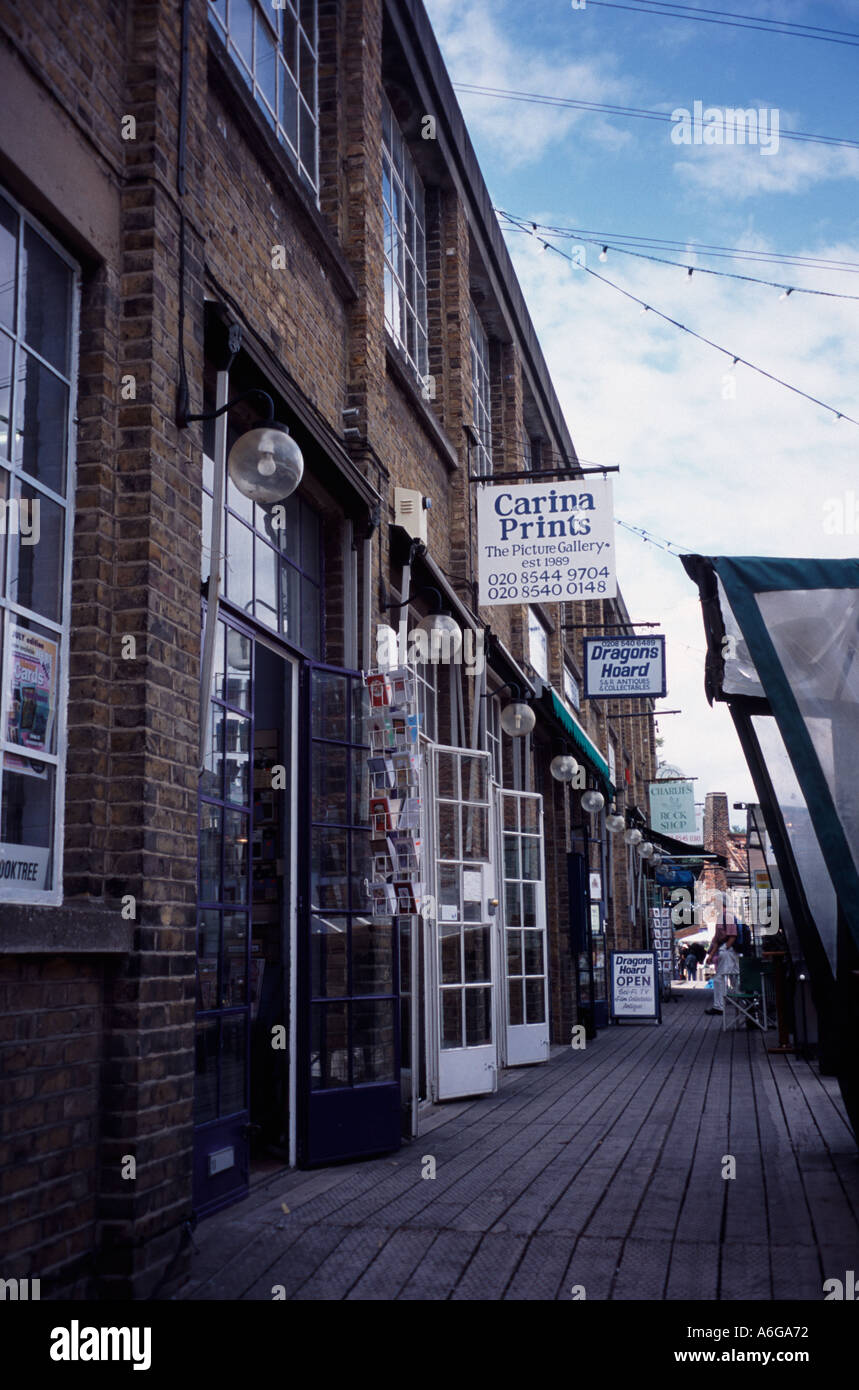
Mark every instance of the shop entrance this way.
pixel 349 967
pixel 522 922
pixel 244 1074
pixel 462 1024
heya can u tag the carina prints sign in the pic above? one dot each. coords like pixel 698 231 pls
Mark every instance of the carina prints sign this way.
pixel 634 985
pixel 546 542
pixel 672 810
pixel 623 666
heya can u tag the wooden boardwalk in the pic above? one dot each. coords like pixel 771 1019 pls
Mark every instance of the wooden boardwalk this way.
pixel 602 1168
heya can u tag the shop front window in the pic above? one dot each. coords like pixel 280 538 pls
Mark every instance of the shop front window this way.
pixel 37 389
pixel 273 567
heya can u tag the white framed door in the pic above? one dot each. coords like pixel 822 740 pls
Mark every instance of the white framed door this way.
pixel 462 966
pixel 524 996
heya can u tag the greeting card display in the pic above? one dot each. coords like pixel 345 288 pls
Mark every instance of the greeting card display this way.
pixel 382 813
pixel 379 687
pixel 395 766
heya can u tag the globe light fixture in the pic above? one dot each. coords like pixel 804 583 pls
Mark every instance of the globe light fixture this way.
pixel 645 849
pixel 445 636
pixel 266 464
pixel 593 801
pixel 563 768
pixel 614 824
pixel 632 837
pixel 518 719
pixel 655 859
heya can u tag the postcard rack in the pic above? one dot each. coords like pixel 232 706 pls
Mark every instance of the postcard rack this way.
pixel 395 766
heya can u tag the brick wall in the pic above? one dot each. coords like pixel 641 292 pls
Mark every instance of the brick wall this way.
pixel 50 1061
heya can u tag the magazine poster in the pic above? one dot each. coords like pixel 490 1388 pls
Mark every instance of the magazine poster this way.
pixel 31 698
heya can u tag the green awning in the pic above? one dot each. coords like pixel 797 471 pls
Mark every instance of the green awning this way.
pixel 583 743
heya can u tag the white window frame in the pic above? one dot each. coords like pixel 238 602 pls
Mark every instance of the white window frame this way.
pixel 481 391
pixel 493 736
pixel 51 896
pixel 270 16
pixel 536 624
pixel 404 214
pixel 569 674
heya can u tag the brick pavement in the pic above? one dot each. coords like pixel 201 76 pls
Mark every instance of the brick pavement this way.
pixel 601 1168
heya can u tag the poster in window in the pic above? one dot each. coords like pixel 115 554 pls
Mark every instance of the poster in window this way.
pixel 31 699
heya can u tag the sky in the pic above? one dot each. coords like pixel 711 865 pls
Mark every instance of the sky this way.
pixel 715 459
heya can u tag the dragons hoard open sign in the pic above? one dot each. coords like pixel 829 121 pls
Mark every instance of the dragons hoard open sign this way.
pixel 546 542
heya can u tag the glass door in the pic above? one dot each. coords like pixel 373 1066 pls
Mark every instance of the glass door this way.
pixel 462 960
pixel 349 1023
pixel 525 1000
pixel 221 1088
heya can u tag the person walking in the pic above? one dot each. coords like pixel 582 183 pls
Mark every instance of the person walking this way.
pixel 691 964
pixel 682 961
pixel 727 963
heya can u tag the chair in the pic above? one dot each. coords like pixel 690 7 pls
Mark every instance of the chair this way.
pixel 748 1003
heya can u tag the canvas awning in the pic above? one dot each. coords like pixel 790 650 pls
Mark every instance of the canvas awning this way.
pixel 588 749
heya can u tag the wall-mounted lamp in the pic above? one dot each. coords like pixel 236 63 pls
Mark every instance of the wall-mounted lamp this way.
pixel 517 718
pixel 632 837
pixel 614 824
pixel 442 629
pixel 265 463
pixel 593 801
pixel 563 767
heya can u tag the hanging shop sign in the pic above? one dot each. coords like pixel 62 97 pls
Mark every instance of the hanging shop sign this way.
pixel 634 985
pixel 672 810
pixel 546 542
pixel 624 666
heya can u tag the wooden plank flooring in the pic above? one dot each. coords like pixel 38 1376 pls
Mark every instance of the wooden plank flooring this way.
pixel 602 1168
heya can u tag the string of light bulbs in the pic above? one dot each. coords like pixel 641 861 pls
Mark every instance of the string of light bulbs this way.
pixel 735 357
pixel 532 229
pixel 701 248
pixel 659 541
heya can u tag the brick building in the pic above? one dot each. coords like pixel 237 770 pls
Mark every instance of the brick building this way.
pixel 198 203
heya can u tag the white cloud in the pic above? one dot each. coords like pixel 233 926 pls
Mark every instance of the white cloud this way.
pixel 476 52
pixel 744 172
pixel 746 475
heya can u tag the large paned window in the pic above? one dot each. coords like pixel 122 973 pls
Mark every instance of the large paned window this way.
pixel 481 393
pixel 405 245
pixel 538 645
pixel 275 48
pixel 273 568
pixel 38 341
